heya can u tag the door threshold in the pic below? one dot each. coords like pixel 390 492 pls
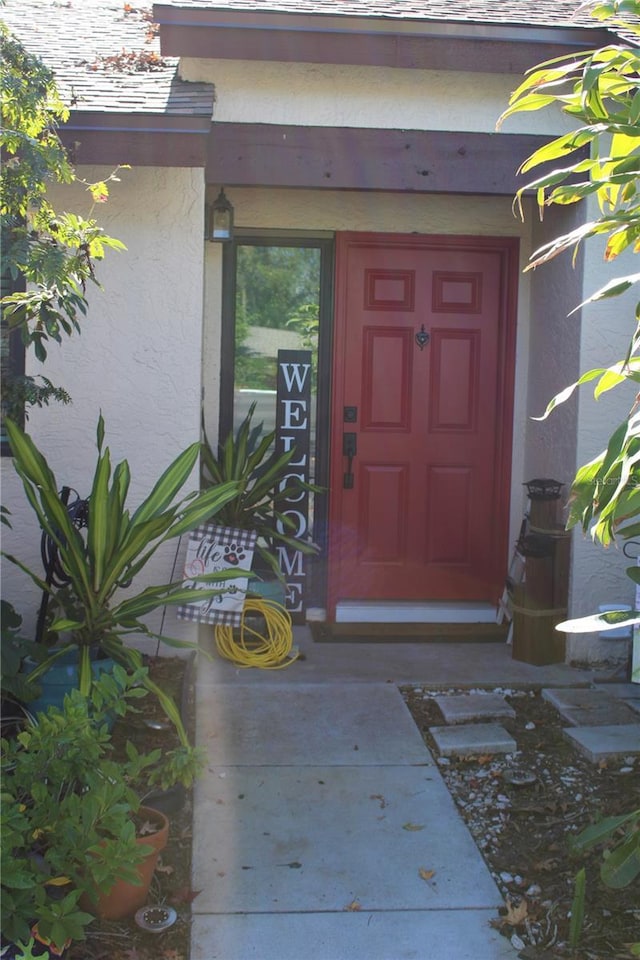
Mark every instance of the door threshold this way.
pixel 383 611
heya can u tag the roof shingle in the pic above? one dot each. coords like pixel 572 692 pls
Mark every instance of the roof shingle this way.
pixel 106 56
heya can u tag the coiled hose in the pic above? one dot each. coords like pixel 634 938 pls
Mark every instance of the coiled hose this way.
pixel 247 647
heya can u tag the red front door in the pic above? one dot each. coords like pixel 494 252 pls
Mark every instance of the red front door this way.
pixel 423 384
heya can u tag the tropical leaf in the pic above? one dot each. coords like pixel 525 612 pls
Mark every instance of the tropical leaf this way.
pixel 117 548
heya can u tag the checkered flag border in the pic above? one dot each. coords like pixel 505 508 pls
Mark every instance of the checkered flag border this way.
pixel 226 609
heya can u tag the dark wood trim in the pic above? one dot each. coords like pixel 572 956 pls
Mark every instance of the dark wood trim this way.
pixel 139 139
pixel 372 41
pixel 418 53
pixel 418 161
pixel 228 336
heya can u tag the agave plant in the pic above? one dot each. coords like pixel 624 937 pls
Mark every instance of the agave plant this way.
pixel 264 485
pixel 115 548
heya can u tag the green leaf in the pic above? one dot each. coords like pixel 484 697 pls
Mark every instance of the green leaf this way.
pixel 564 395
pixel 168 486
pixel 577 908
pixel 600 622
pixel 621 867
pixel 603 830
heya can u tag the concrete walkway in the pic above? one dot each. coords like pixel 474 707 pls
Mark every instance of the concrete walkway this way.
pixel 322 827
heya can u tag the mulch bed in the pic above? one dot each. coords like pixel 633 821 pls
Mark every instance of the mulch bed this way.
pixel 523 830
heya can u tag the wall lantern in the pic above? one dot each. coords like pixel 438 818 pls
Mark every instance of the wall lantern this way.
pixel 219 219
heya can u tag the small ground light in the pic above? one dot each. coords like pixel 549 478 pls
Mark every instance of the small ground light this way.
pixel 155 919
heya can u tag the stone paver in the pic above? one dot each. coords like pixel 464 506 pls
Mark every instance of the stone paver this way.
pixel 463 708
pixel 471 739
pixel 589 707
pixel 600 742
pixel 361 935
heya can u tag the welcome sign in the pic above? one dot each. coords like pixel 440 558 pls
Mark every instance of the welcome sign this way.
pixel 293 432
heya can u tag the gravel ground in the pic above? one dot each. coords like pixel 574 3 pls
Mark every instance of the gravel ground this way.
pixel 523 810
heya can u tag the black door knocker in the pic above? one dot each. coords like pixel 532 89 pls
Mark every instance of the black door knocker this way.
pixel 422 337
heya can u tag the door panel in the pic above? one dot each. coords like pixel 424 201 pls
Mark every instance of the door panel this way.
pixel 425 517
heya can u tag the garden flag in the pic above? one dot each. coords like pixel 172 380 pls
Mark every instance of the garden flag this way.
pixel 212 549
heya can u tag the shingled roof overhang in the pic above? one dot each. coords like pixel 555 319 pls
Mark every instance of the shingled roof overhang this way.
pixel 142 140
pixel 192 31
pixel 127 103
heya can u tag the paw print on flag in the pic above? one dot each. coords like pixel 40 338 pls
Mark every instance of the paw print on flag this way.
pixel 234 555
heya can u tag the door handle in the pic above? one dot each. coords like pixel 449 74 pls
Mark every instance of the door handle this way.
pixel 349 450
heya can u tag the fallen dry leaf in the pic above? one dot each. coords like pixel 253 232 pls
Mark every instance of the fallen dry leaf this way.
pixel 412 827
pixel 354 906
pixel 512 914
pixel 425 874
pixel 546 866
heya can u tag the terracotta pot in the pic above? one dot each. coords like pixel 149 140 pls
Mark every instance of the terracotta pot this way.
pixel 123 899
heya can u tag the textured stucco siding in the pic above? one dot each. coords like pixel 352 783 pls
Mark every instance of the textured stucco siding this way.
pixel 376 97
pixel 556 289
pixel 138 358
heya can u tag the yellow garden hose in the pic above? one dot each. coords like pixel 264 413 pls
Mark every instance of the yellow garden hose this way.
pixel 246 647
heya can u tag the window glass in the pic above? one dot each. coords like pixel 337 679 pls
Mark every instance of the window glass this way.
pixel 277 307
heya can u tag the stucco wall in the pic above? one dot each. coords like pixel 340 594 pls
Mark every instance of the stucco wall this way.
pixel 556 289
pixel 137 359
pixel 350 96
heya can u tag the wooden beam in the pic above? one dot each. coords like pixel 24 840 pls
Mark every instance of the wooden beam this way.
pixel 374 40
pixel 364 159
pixel 423 53
pixel 138 139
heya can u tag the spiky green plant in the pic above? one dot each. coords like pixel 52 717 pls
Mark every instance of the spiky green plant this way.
pixel 264 485
pixel 117 546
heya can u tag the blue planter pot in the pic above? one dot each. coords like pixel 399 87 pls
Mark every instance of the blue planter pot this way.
pixel 60 679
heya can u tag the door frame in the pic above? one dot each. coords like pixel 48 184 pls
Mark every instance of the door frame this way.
pixel 508 249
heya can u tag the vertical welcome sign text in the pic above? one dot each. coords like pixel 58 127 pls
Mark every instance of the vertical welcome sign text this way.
pixel 293 432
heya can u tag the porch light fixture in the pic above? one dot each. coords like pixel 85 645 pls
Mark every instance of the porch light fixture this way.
pixel 219 220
